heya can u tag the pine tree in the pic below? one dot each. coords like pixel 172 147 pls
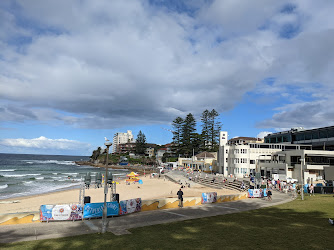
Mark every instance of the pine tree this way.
pixel 140 143
pixel 214 129
pixel 205 129
pixel 177 134
pixel 188 134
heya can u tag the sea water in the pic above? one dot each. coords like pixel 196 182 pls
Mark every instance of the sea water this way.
pixel 23 174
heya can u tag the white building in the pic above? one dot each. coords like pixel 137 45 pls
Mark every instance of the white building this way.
pixel 120 138
pixel 310 165
pixel 240 157
pixel 202 161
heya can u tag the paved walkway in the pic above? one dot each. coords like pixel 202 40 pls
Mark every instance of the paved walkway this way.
pixel 120 225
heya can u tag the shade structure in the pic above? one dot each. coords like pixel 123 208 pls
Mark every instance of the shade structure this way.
pixel 132 174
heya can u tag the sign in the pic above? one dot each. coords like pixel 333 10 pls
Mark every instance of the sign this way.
pixel 95 210
pixel 60 212
pixel 209 197
pixel 257 193
pixel 129 206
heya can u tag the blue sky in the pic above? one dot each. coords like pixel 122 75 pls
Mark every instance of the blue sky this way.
pixel 72 73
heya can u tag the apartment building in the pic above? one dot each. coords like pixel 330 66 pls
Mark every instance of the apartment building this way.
pixel 120 138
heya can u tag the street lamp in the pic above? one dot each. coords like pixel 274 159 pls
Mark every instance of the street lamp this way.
pixel 302 160
pixel 104 215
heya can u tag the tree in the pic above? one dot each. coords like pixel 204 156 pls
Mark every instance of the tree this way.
pixel 214 129
pixel 188 134
pixel 205 119
pixel 140 143
pixel 197 143
pixel 96 153
pixel 177 134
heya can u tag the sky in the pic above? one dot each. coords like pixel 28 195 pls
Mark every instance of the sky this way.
pixel 74 72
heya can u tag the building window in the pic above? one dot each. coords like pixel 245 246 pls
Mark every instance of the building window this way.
pixel 300 137
pixel 252 161
pixel 226 151
pixel 308 136
pixel 315 135
pixel 330 133
pixel 322 134
pixel 226 159
pixel 243 160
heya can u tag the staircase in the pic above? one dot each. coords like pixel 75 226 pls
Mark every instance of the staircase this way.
pixel 218 182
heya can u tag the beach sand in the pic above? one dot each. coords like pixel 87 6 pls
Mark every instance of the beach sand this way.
pixel 150 189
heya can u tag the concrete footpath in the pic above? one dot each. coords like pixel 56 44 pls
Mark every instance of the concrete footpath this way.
pixel 120 225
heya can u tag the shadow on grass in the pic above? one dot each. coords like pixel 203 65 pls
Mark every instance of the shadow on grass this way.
pixel 295 225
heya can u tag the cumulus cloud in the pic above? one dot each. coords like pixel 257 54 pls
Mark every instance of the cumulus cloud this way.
pixel 45 143
pixel 263 134
pixel 110 63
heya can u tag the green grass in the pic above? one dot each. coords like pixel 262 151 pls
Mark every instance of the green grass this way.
pixel 294 225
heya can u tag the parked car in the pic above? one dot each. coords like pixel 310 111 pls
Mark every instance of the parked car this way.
pixel 291 180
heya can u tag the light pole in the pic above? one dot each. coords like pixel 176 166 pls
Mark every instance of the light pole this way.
pixel 301 177
pixel 104 215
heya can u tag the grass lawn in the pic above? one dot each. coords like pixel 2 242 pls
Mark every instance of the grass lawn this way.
pixel 294 225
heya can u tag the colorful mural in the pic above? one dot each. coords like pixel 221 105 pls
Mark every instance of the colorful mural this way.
pixel 95 210
pixel 19 218
pixel 209 197
pixel 61 212
pixel 257 193
pixel 129 206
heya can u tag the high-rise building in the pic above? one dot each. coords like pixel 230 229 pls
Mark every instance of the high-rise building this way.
pixel 120 138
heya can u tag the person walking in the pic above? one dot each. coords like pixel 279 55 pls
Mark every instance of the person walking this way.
pixel 269 194
pixel 180 197
pixel 311 190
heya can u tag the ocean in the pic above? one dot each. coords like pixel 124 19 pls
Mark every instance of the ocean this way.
pixel 24 174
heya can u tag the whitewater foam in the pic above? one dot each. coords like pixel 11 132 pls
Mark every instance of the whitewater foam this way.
pixel 19 175
pixel 50 162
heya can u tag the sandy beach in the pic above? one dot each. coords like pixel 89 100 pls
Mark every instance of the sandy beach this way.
pixel 150 189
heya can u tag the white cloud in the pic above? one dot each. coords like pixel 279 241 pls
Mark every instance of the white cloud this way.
pixel 263 134
pixel 45 143
pixel 110 63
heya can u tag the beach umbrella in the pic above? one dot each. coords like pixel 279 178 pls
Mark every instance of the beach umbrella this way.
pixel 132 174
pixel 140 182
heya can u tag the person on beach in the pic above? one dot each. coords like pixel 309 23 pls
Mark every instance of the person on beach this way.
pixel 311 190
pixel 180 197
pixel 269 195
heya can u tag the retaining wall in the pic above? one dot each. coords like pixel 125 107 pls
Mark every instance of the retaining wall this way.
pixel 147 205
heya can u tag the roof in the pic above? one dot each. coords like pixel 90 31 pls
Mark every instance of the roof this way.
pixel 244 138
pixel 205 155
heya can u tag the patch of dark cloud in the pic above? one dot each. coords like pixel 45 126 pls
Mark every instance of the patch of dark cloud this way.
pixel 288 8
pixel 188 7
pixel 307 115
pixel 12 112
pixel 289 30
